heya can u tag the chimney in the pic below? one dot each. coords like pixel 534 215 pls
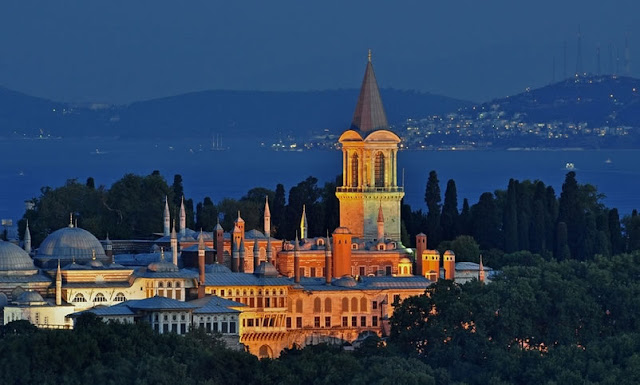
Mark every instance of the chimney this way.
pixel 242 255
pixel 421 246
pixel 296 261
pixel 256 255
pixel 219 238
pixel 201 252
pixel 327 260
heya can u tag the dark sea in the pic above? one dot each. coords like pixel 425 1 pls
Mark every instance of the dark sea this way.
pixel 29 165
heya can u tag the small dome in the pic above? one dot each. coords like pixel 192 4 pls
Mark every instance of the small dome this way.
pixel 266 269
pixel 162 267
pixel 70 243
pixel 345 281
pixel 13 258
pixel 253 234
pixel 405 260
pixel 29 297
pixel 342 230
pixel 95 264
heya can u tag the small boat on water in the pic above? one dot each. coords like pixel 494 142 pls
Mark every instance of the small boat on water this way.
pixel 608 161
pixel 570 166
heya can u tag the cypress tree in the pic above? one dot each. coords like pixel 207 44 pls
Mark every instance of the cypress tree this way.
pixel 537 230
pixel 486 222
pixel 449 218
pixel 562 251
pixel 465 218
pixel 510 219
pixel 615 231
pixel 278 210
pixel 571 212
pixel 432 199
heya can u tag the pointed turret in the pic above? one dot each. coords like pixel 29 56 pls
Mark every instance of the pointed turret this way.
pixel 201 252
pixel 481 270
pixel 303 223
pixel 58 285
pixel 183 219
pixel 167 217
pixel 27 239
pixel 369 114
pixel 267 217
pixel 296 261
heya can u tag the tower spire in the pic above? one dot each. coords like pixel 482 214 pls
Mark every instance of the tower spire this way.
pixel 267 217
pixel 369 114
pixel 167 216
pixel 303 223
pixel 27 239
pixel 183 219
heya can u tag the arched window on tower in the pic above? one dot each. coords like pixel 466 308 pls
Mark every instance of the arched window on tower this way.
pixel 354 170
pixel 379 169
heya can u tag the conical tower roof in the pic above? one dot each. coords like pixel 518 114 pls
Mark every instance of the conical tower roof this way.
pixel 369 114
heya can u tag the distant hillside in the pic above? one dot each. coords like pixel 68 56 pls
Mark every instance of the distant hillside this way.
pixel 596 100
pixel 232 114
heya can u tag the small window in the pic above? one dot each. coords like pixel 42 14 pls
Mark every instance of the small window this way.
pixel 345 321
pixel 354 321
pixel 79 298
pixel 374 321
pixel 316 322
pixel 374 305
pixel 354 246
pixel 299 322
pixel 363 321
pixel 313 272
pixel 362 271
pixel 387 270
pixel 381 246
pixel 120 297
pixel 396 299
pixel 288 323
pixel 99 298
pixel 327 322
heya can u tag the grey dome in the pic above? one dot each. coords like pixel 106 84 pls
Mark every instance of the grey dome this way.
pixel 29 297
pixel 13 258
pixel 266 269
pixel 162 267
pixel 3 300
pixel 70 243
pixel 345 281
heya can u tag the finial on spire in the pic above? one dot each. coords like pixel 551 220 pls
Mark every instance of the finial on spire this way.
pixel 369 55
pixel 71 220
pixel 93 254
pixel 162 254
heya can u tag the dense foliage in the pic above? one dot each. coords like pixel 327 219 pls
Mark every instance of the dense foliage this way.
pixel 566 322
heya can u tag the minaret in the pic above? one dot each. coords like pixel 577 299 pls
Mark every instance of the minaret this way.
pixel 296 261
pixel 269 253
pixel 267 217
pixel 241 253
pixel 109 249
pixel 219 237
pixel 234 257
pixel 327 260
pixel 167 217
pixel 27 239
pixel 58 285
pixel 201 251
pixel 303 223
pixel 480 270
pixel 183 219
pixel 256 255
pixel 380 225
pixel 174 244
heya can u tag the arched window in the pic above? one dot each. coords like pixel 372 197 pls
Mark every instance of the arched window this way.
pixel 379 169
pixel 177 284
pixel 168 284
pixel 327 305
pixel 317 305
pixel 354 304
pixel 99 298
pixel 345 305
pixel 363 305
pixel 298 306
pixel 120 297
pixel 354 170
pixel 160 284
pixel 354 246
pixel 79 298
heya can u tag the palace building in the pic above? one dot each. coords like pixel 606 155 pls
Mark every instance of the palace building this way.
pixel 260 293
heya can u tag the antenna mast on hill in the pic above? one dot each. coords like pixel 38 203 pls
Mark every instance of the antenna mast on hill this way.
pixel 627 56
pixel 598 69
pixel 579 56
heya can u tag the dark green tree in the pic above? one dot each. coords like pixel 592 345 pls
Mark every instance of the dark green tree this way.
pixel 485 223
pixel 571 212
pixel 510 219
pixel 278 208
pixel 465 218
pixel 178 190
pixel 615 231
pixel 449 219
pixel 562 251
pixel 432 199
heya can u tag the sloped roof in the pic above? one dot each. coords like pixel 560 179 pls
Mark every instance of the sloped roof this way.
pixel 369 114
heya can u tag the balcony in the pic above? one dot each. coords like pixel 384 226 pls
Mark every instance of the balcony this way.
pixel 368 189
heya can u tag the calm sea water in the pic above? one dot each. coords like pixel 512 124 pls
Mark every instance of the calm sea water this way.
pixel 30 164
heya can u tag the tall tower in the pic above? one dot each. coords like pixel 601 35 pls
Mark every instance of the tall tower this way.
pixel 167 217
pixel 183 219
pixel 267 217
pixel 303 223
pixel 58 285
pixel 174 245
pixel 369 167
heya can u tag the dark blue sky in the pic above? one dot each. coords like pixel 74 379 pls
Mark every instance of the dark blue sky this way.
pixel 121 51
